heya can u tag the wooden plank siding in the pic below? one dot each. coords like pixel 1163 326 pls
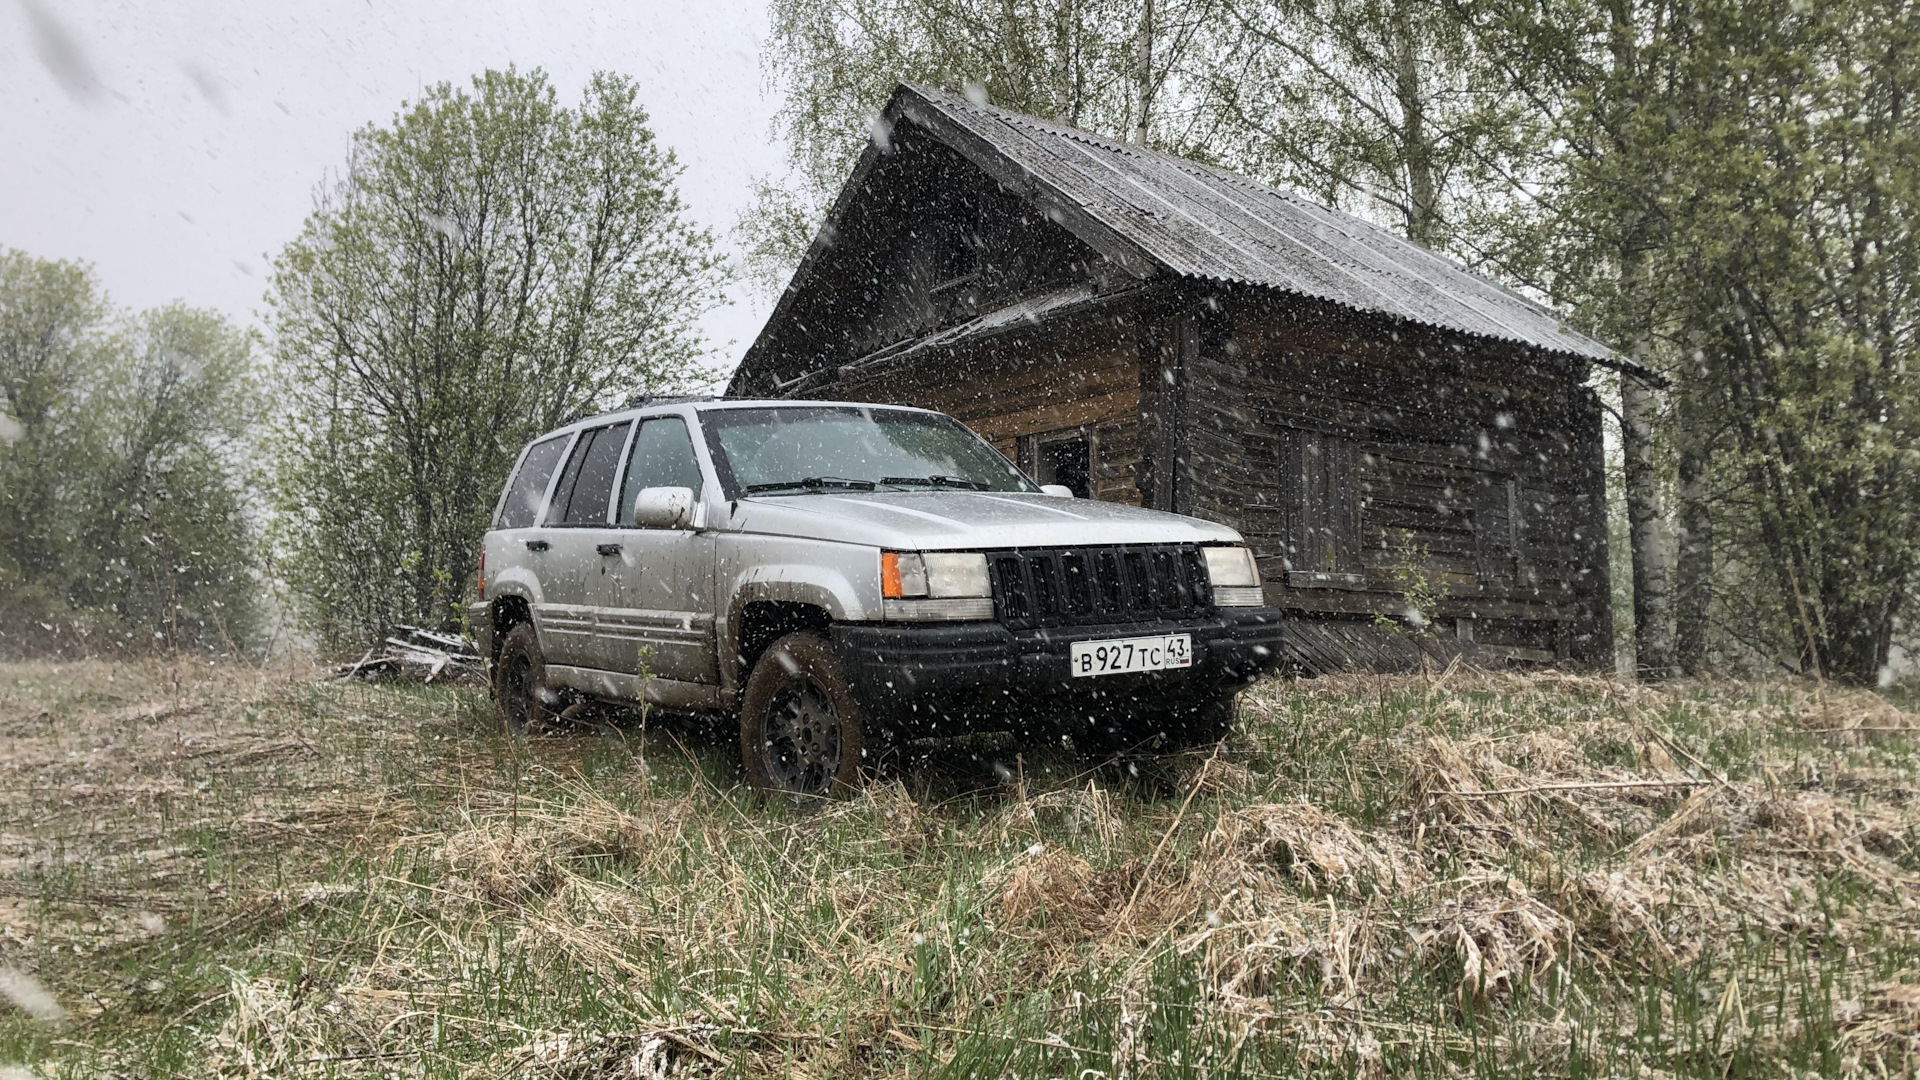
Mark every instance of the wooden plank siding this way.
pixel 1355 463
pixel 1352 461
pixel 1074 377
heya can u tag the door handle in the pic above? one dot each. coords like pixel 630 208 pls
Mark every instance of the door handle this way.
pixel 607 549
pixel 537 545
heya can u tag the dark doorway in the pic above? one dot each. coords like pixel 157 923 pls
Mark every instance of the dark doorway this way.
pixel 1068 463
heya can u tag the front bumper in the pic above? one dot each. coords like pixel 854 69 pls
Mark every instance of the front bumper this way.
pixel 936 679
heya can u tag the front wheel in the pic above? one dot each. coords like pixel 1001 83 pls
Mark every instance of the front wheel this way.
pixel 801 733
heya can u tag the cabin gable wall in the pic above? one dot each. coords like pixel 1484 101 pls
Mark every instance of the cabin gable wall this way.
pixel 939 243
pixel 1027 393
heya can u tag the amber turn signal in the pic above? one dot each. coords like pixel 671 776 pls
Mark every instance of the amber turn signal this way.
pixel 890 575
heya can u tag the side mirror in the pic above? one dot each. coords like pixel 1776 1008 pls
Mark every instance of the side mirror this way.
pixel 663 508
pixel 1058 490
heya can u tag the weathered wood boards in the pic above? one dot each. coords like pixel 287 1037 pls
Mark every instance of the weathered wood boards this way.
pixel 1361 469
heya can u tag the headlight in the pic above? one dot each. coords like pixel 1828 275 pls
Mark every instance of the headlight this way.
pixel 1234 577
pixel 935 585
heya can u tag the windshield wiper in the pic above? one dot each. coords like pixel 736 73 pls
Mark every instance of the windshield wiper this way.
pixel 812 483
pixel 934 481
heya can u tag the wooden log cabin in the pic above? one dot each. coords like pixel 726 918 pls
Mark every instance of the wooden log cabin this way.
pixel 1385 427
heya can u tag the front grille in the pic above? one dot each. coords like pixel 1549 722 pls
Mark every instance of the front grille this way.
pixel 1090 585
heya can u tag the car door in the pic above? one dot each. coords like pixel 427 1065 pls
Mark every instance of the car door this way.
pixel 657 614
pixel 576 525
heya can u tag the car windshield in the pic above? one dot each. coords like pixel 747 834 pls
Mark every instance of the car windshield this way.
pixel 794 450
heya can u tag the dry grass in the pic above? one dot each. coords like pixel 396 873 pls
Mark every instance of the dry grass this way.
pixel 230 872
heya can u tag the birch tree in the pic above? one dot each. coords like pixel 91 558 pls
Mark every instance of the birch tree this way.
pixel 488 265
pixel 1731 189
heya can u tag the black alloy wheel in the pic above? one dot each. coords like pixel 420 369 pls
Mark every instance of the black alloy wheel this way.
pixel 801 733
pixel 803 739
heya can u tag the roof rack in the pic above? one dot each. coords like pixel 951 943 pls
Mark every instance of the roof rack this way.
pixel 641 401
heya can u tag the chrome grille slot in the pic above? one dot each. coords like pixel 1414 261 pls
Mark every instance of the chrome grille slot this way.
pixel 1078 583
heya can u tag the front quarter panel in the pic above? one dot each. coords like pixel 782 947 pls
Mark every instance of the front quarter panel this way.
pixel 841 579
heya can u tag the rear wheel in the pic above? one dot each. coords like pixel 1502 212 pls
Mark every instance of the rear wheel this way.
pixel 801 733
pixel 520 682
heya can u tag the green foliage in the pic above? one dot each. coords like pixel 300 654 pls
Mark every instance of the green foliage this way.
pixel 123 466
pixel 489 265
pixel 1417 586
pixel 1732 199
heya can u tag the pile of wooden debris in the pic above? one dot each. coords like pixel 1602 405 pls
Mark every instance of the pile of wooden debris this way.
pixel 414 653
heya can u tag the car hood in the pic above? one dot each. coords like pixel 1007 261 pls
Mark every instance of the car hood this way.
pixel 966 520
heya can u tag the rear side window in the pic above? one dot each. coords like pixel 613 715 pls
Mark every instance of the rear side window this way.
pixel 581 498
pixel 662 457
pixel 529 486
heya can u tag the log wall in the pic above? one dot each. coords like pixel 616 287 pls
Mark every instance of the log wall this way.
pixel 1362 464
pixel 1362 467
pixel 1083 380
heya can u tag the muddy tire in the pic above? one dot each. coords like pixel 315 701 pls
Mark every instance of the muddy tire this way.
pixel 520 691
pixel 801 734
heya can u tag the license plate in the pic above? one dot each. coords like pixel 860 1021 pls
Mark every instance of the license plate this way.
pixel 1117 656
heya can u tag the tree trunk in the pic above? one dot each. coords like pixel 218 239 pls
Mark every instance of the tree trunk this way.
pixel 1693 591
pixel 1416 148
pixel 1857 630
pixel 1652 566
pixel 1143 75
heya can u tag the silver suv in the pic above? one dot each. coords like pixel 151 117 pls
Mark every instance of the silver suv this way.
pixel 844 577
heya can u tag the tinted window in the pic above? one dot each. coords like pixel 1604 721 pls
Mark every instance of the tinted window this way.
pixel 662 457
pixel 522 507
pixel 587 484
pixel 885 447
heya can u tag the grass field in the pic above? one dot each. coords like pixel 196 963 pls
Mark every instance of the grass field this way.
pixel 221 871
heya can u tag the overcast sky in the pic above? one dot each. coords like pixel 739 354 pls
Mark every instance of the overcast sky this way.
pixel 179 144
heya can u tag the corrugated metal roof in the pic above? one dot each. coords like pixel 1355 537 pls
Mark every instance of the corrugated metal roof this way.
pixel 1209 223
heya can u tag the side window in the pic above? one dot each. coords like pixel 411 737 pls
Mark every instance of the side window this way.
pixel 662 457
pixel 529 486
pixel 1069 463
pixel 581 498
